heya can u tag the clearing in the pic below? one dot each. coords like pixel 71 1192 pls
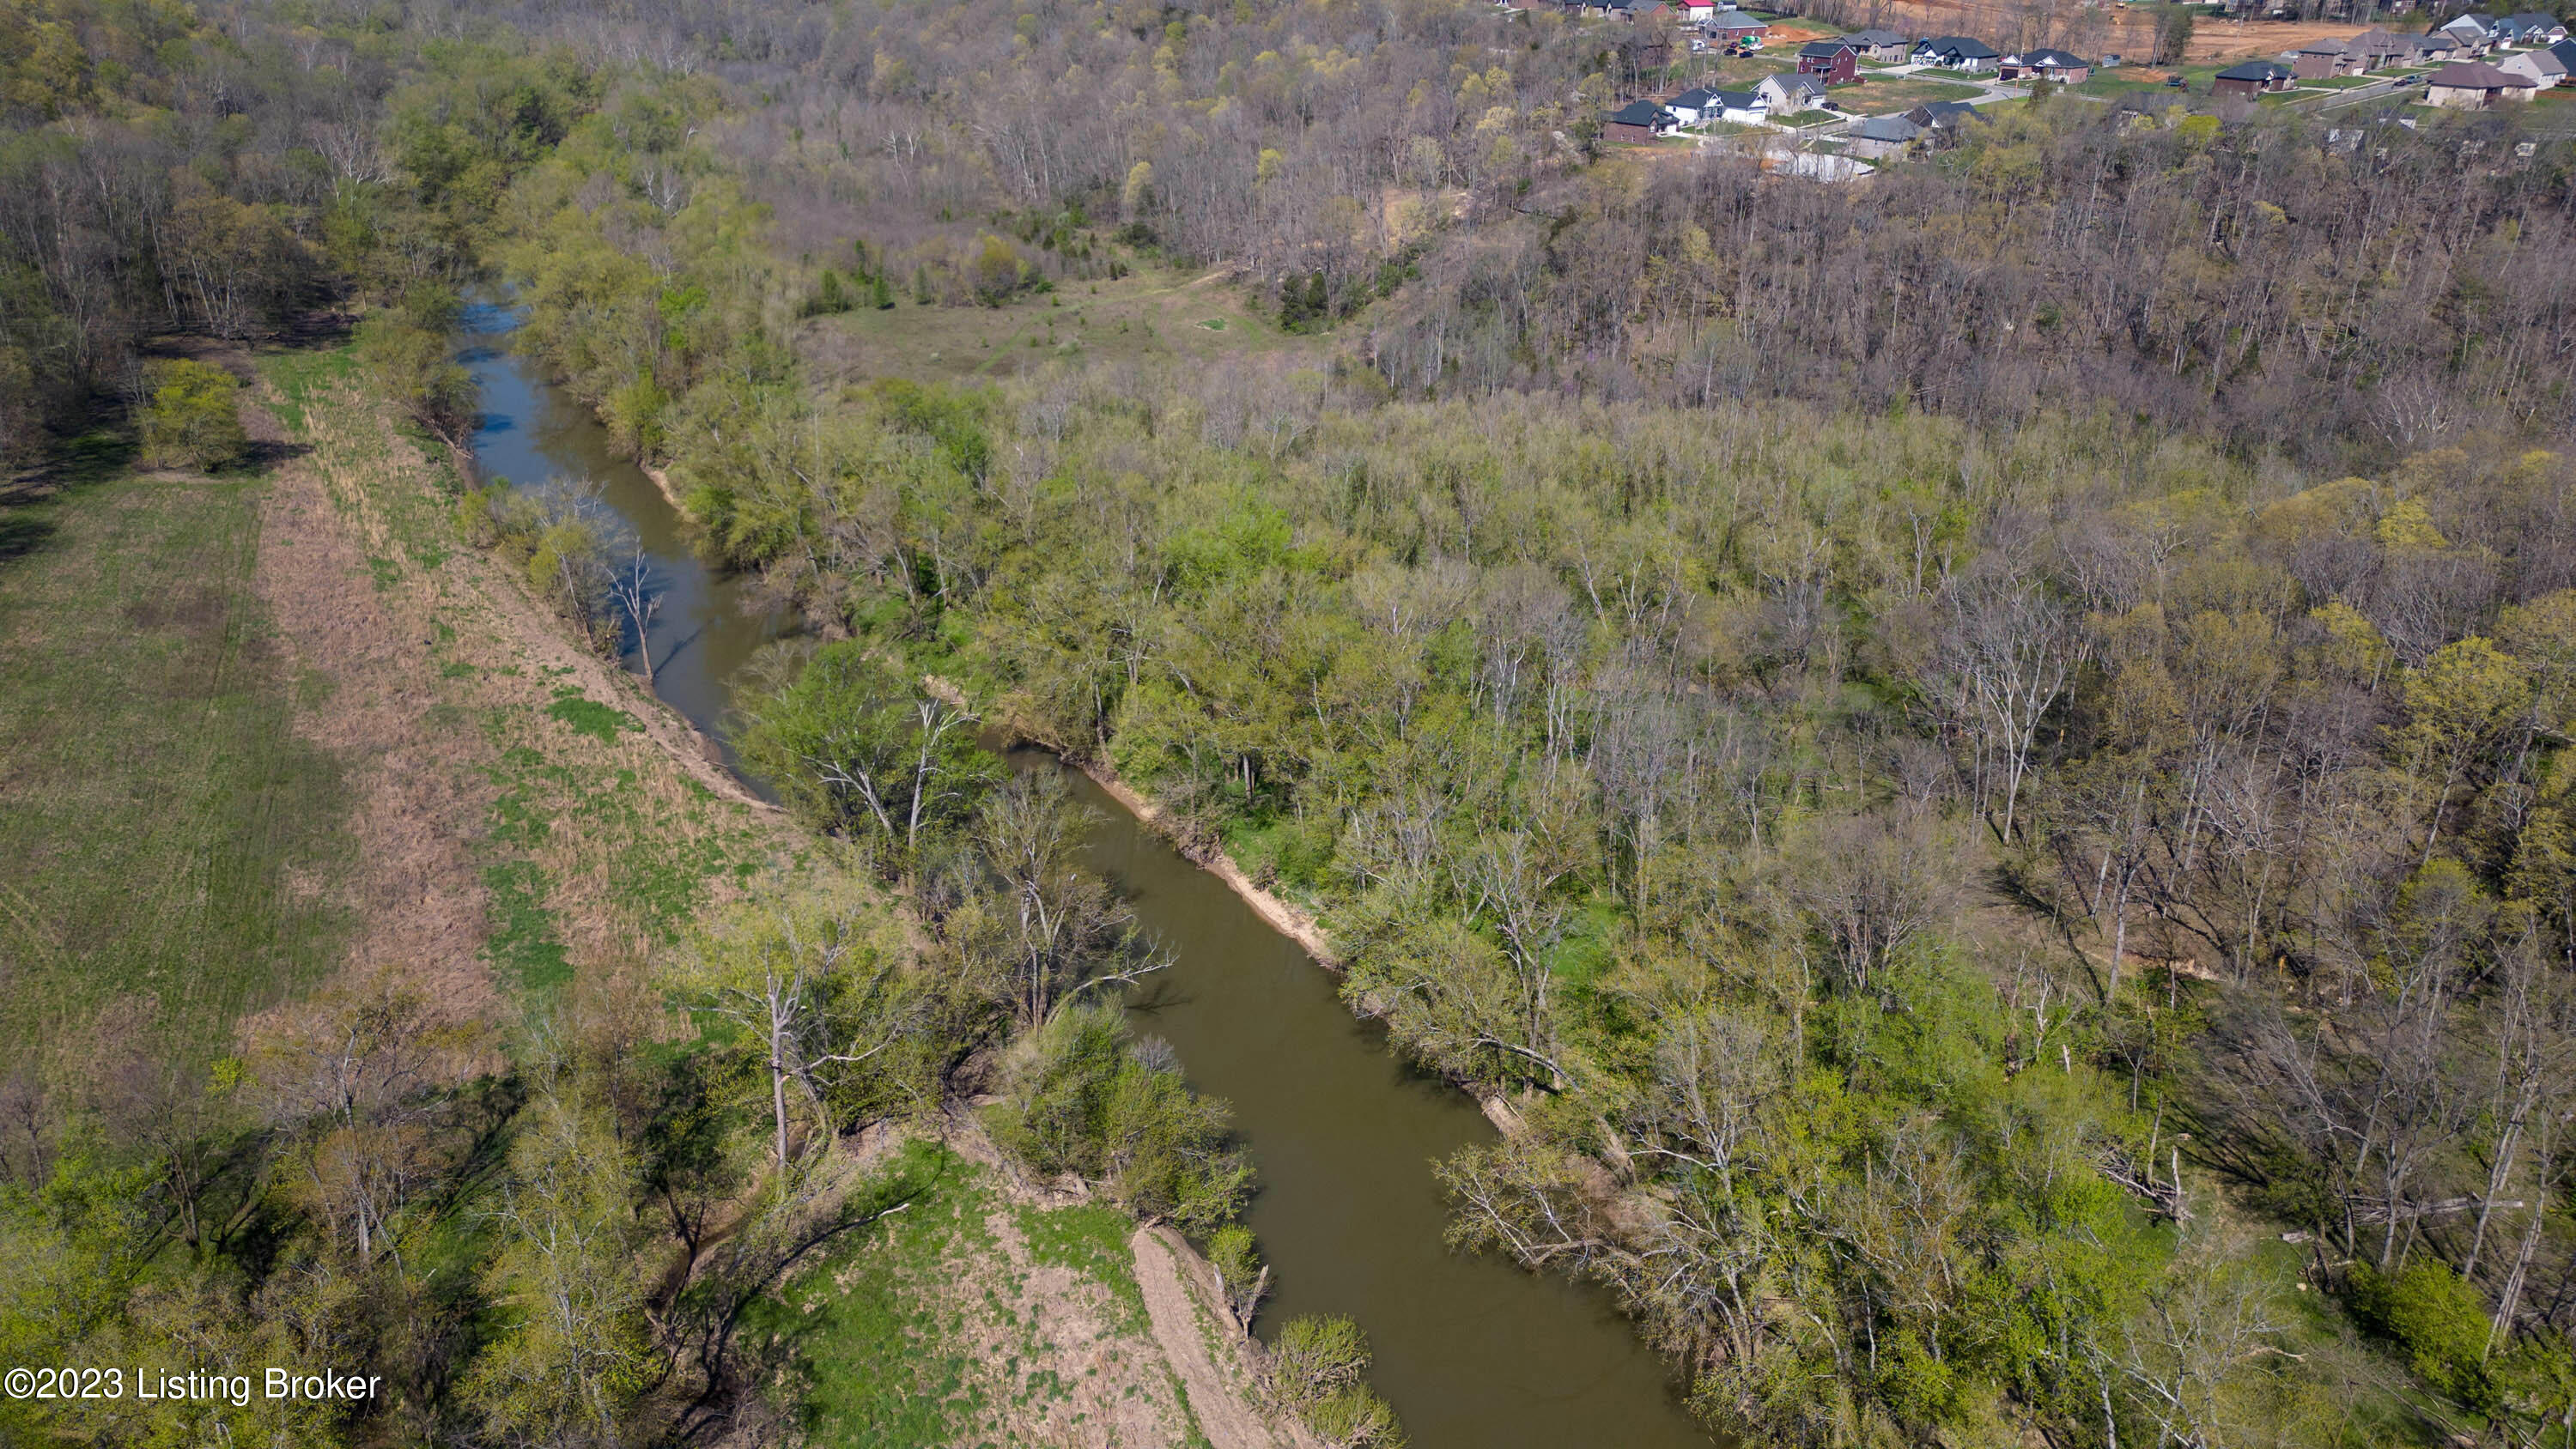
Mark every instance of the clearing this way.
pixel 1149 315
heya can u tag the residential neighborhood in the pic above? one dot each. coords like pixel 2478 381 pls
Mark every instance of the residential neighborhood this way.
pixel 1788 86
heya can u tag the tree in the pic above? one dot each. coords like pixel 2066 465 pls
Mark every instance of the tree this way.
pixel 1037 926
pixel 572 1349
pixel 2173 34
pixel 192 419
pixel 854 743
pixel 813 988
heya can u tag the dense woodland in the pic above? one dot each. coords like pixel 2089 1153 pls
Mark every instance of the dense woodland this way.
pixel 1983 758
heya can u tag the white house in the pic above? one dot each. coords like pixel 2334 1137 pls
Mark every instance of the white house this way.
pixel 1742 108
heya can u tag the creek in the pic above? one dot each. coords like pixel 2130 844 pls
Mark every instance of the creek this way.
pixel 1473 1352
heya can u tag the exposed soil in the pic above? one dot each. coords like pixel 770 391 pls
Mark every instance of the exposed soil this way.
pixel 2092 30
pixel 1179 1299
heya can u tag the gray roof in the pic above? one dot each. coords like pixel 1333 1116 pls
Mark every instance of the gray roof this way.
pixel 2565 50
pixel 1943 115
pixel 1739 100
pixel 1822 48
pixel 1965 45
pixel 1695 99
pixel 2477 75
pixel 1889 128
pixel 2328 46
pixel 2255 70
pixel 1640 113
pixel 1875 38
pixel 2054 58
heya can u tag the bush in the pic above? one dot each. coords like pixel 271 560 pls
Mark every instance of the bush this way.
pixel 1316 1372
pixel 1079 1099
pixel 1240 1274
pixel 192 419
pixel 2432 1314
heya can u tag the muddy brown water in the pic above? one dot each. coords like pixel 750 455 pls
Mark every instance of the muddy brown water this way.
pixel 537 436
pixel 1472 1352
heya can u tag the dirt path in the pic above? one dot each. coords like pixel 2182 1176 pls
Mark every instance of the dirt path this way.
pixel 1182 1321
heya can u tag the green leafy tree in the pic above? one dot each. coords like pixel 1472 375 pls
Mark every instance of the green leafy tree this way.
pixel 856 745
pixel 571 1349
pixel 192 418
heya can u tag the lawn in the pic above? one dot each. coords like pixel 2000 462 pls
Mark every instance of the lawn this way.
pixel 1884 97
pixel 1809 118
pixel 168 843
pixel 2341 82
pixel 1151 315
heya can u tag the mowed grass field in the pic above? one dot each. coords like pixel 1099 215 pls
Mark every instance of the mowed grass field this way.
pixel 169 848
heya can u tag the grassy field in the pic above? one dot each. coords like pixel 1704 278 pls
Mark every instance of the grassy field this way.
pixel 265 726
pixel 1148 315
pixel 169 845
pixel 587 839
pixel 1885 97
pixel 966 1319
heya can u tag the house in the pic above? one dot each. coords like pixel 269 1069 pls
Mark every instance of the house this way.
pixel 1943 121
pixel 1692 107
pixel 2253 78
pixel 1835 62
pixel 1743 108
pixel 2055 66
pixel 1816 165
pixel 1887 47
pixel 2437 47
pixel 1791 92
pixel 2474 85
pixel 2565 50
pixel 1741 30
pixel 1637 122
pixel 2543 67
pixel 2376 50
pixel 1883 136
pixel 2323 59
pixel 1697 12
pixel 1955 52
pixel 2531 28
pixel 2475 31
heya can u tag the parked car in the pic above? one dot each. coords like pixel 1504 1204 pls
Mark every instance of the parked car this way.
pixel 2174 82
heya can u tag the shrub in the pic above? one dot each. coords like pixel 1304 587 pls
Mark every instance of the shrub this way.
pixel 2436 1317
pixel 191 419
pixel 1080 1099
pixel 1316 1372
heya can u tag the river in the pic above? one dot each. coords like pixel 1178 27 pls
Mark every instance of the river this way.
pixel 1472 1352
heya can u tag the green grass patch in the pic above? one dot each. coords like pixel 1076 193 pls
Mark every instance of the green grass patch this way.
pixel 524 946
pixel 166 835
pixel 588 716
pixel 862 1337
pixel 1090 1240
pixel 1885 97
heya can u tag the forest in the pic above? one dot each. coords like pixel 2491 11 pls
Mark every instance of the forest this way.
pixel 1982 762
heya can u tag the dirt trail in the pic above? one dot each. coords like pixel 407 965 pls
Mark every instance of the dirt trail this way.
pixel 1182 1319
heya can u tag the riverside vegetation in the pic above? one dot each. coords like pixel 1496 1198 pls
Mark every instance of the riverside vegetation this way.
pixel 1982 759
